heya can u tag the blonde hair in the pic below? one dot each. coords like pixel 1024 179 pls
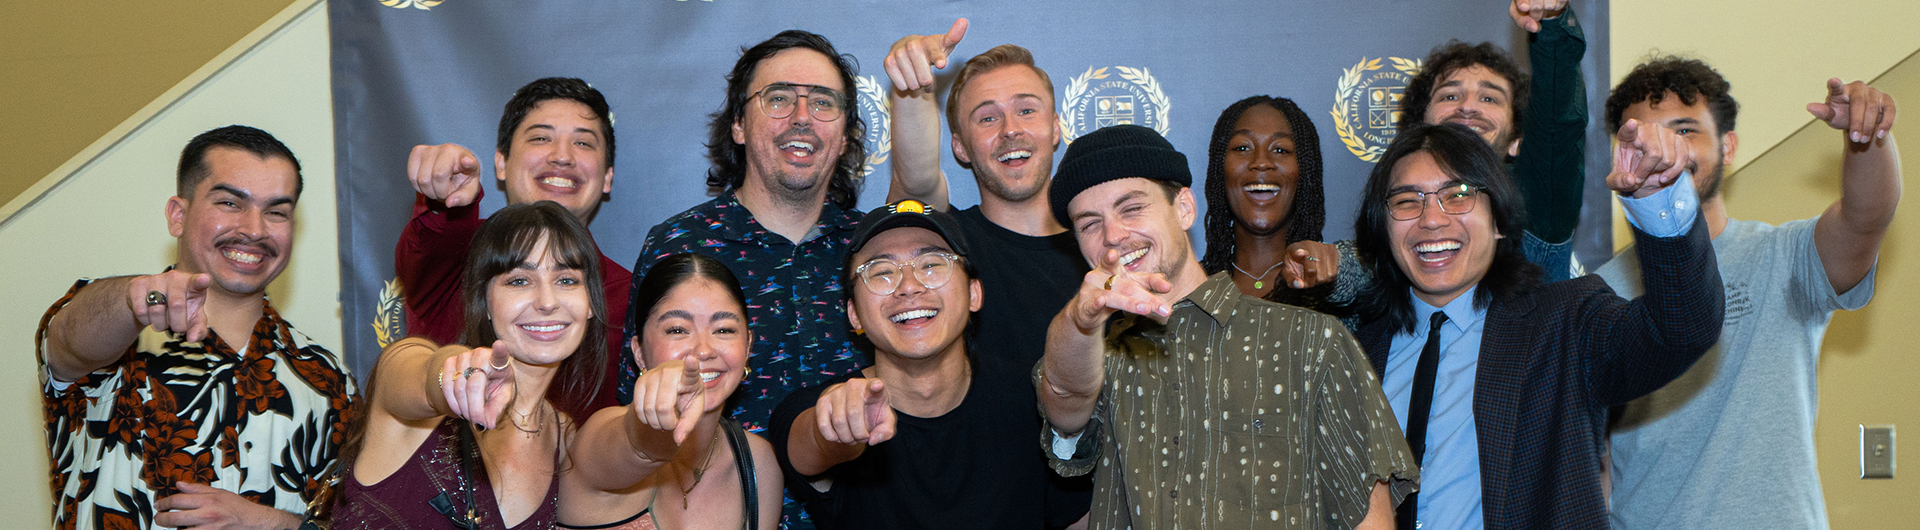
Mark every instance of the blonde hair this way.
pixel 990 60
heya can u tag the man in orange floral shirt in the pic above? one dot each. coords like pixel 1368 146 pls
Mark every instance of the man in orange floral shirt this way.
pixel 182 398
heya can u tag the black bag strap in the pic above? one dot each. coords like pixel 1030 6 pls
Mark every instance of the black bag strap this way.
pixel 743 460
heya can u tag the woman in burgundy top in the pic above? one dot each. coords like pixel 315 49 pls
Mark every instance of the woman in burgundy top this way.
pixel 460 437
pixel 671 458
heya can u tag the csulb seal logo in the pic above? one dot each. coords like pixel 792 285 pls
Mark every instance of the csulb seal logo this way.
pixel 1096 99
pixel 1366 108
pixel 878 113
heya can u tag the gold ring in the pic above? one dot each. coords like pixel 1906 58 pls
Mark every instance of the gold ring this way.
pixel 1110 278
pixel 502 366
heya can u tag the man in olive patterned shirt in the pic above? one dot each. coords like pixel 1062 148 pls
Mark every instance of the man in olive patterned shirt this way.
pixel 1200 407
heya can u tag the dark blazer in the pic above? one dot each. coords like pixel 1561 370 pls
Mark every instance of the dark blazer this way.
pixel 1553 360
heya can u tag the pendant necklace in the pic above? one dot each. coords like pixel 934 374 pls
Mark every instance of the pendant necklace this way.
pixel 1258 283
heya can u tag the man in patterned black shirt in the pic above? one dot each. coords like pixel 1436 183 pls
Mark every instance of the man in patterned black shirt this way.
pixel 182 398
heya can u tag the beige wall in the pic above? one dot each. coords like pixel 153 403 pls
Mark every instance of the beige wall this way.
pixel 107 220
pixel 76 69
pixel 1778 54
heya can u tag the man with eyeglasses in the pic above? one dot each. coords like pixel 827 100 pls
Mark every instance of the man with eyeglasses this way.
pixel 1500 382
pixel 1201 407
pixel 786 148
pixel 921 439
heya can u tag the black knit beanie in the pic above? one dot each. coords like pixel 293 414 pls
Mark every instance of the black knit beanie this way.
pixel 1113 153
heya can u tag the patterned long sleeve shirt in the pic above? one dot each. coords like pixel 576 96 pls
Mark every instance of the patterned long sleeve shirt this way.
pixel 1237 413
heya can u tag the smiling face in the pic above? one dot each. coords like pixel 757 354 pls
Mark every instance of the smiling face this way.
pixel 1262 171
pixel 1007 132
pixel 792 157
pixel 1443 254
pixel 1134 217
pixel 914 322
pixel 540 308
pixel 559 155
pixel 1480 99
pixel 1695 124
pixel 700 320
pixel 238 226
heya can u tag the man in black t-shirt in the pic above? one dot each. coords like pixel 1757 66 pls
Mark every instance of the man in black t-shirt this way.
pixel 920 439
pixel 1000 111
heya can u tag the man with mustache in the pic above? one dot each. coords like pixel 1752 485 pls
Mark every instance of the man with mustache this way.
pixel 1000 111
pixel 787 148
pixel 1744 415
pixel 555 144
pixel 1201 404
pixel 181 398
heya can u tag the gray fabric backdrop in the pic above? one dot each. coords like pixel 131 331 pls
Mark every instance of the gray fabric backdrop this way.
pixel 409 72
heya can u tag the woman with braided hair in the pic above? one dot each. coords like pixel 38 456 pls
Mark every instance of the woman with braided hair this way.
pixel 1266 206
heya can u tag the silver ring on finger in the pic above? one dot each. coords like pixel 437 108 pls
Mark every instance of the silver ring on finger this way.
pixel 471 370
pixel 1311 258
pixel 156 298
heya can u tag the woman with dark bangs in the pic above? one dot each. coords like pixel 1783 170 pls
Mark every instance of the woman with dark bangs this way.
pixel 672 458
pixel 1265 204
pixel 463 437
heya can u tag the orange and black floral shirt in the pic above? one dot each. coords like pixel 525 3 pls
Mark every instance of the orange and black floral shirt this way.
pixel 266 423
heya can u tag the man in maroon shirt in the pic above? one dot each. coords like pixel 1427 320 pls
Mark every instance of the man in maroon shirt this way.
pixel 555 144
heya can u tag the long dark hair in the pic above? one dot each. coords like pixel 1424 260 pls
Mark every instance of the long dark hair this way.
pixel 1305 216
pixel 730 159
pixel 655 283
pixel 504 242
pixel 1467 158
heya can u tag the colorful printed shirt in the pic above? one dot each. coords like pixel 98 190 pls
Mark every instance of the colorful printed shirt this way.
pixel 796 302
pixel 266 424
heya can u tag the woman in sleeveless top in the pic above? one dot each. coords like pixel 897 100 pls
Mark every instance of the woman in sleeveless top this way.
pixel 671 458
pixel 460 437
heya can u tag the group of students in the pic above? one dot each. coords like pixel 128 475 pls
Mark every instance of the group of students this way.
pixel 1057 356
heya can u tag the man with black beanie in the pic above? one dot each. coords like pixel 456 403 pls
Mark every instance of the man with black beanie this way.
pixel 1200 404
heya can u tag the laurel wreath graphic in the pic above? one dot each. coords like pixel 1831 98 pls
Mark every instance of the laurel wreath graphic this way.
pixel 871 90
pixel 1162 107
pixel 389 317
pixel 1350 82
pixel 1076 89
pixel 422 5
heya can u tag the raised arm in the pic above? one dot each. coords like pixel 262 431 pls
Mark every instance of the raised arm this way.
pixel 102 320
pixel 1642 344
pixel 916 115
pixel 1550 169
pixel 1849 234
pixel 1073 368
pixel 847 417
pixel 420 381
pixel 627 444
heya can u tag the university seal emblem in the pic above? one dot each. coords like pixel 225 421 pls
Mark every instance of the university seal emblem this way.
pixel 1366 107
pixel 1099 98
pixel 877 112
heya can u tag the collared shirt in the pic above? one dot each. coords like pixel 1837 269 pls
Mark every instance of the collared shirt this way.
pixel 796 300
pixel 1450 472
pixel 1237 413
pixel 265 422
